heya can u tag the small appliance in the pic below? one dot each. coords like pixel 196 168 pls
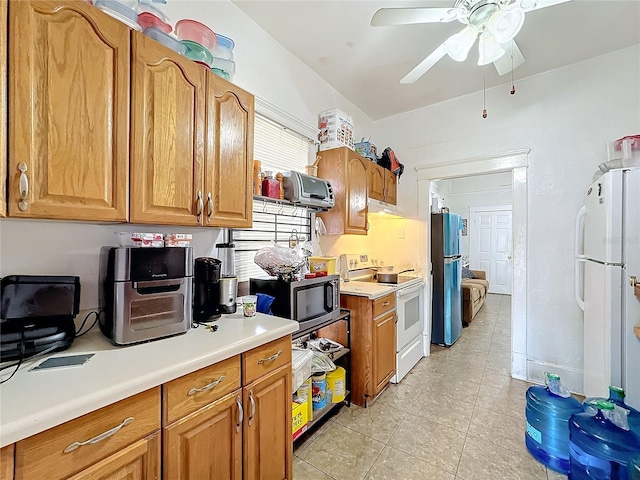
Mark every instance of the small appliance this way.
pixel 228 284
pixel 310 302
pixel 228 293
pixel 36 314
pixel 206 294
pixel 145 293
pixel 306 190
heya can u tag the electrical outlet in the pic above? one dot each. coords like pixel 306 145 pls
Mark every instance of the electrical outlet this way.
pixel 401 234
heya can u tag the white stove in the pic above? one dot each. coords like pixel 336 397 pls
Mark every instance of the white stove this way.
pixel 410 347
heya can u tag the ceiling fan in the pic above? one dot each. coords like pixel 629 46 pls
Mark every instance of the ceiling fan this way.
pixel 495 22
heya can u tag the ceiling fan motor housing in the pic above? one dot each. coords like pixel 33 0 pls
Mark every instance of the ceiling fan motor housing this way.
pixel 478 12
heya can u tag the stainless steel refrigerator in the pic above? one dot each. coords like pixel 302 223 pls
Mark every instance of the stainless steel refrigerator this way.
pixel 607 269
pixel 446 264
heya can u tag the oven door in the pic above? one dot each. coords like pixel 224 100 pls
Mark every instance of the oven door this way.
pixel 410 311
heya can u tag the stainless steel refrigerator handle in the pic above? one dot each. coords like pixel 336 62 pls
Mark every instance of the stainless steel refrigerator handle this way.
pixel 579 257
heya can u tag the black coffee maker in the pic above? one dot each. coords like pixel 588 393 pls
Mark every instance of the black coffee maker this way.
pixel 206 297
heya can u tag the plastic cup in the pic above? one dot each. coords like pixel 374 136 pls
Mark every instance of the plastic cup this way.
pixel 249 305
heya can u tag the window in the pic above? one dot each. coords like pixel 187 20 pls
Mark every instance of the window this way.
pixel 279 149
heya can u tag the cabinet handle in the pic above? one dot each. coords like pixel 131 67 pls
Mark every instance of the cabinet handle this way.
pixel 270 359
pixel 209 386
pixel 253 406
pixel 200 206
pixel 99 438
pixel 23 186
pixel 240 414
pixel 385 304
pixel 209 206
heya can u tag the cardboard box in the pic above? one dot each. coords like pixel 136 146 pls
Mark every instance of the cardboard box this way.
pixel 299 419
pixel 336 129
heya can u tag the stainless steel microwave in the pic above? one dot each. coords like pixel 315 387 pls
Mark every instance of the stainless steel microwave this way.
pixel 310 302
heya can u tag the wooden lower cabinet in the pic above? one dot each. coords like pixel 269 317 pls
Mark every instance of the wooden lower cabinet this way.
pixel 206 445
pixel 6 462
pixel 373 345
pixel 139 461
pixel 384 350
pixel 268 449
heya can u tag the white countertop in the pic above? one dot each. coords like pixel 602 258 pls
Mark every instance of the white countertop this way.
pixel 34 401
pixel 374 290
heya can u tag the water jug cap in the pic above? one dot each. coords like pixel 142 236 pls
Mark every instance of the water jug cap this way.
pixel 617 390
pixel 604 405
pixel 553 376
pixel 554 386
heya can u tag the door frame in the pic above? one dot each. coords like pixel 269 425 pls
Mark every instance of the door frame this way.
pixel 499 208
pixel 516 162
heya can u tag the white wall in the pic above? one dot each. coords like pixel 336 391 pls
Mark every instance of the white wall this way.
pixel 264 68
pixel 565 117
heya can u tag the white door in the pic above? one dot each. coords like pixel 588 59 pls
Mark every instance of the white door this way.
pixel 490 246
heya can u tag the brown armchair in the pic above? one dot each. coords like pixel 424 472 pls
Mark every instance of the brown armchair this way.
pixel 474 292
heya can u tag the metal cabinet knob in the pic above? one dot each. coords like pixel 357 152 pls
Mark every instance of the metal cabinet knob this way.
pixel 633 280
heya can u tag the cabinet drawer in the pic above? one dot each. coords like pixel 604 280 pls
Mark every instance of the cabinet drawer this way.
pixel 187 394
pixel 266 358
pixel 43 455
pixel 384 304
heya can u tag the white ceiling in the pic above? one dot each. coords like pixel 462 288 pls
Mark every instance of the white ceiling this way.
pixel 365 63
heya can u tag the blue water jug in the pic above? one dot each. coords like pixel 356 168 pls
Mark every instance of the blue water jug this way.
pixel 634 468
pixel 616 396
pixel 600 450
pixel 548 411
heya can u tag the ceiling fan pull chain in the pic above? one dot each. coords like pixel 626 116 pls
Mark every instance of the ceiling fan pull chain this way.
pixel 513 87
pixel 484 91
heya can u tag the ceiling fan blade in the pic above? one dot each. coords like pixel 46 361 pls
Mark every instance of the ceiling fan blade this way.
pixel 425 65
pixel 503 64
pixel 529 5
pixel 411 15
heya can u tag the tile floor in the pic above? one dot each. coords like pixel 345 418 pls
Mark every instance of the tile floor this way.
pixel 457 415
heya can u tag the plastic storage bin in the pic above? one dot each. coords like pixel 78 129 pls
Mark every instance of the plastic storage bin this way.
pixel 167 40
pixel 224 49
pixel 196 32
pixel 119 11
pixel 148 20
pixel 300 367
pixel 548 413
pixel 600 450
pixel 197 52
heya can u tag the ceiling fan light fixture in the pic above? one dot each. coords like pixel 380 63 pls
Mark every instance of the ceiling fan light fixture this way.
pixel 505 24
pixel 489 49
pixel 458 45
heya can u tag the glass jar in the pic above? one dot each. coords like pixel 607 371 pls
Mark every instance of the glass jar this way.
pixel 270 186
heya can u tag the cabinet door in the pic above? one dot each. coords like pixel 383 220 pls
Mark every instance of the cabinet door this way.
pixel 167 135
pixel 6 462
pixel 357 185
pixel 376 181
pixel 390 187
pixel 69 112
pixel 3 107
pixel 384 350
pixel 229 156
pixel 140 461
pixel 206 445
pixel 268 448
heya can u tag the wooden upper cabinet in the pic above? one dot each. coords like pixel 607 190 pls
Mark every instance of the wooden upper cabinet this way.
pixel 3 108
pixel 390 188
pixel 167 135
pixel 357 195
pixel 268 449
pixel 347 172
pixel 229 155
pixel 7 462
pixel 206 445
pixel 68 112
pixel 376 181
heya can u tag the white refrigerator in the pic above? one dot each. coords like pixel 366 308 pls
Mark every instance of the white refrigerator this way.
pixel 607 260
